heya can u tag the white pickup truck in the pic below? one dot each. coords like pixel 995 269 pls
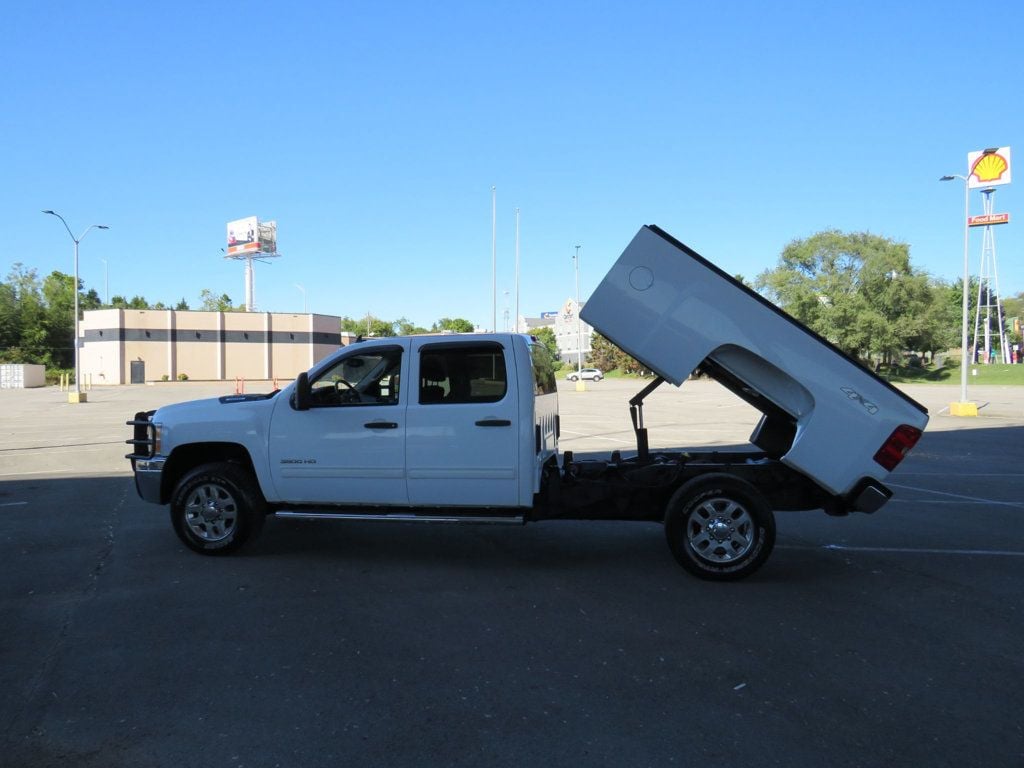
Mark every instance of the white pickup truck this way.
pixel 464 428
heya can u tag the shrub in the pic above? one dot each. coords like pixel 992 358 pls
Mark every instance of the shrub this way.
pixel 182 377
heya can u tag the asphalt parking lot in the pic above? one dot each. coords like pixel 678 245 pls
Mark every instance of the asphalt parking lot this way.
pixel 884 640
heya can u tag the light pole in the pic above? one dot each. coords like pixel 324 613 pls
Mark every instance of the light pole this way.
pixel 106 283
pixel 964 301
pixel 516 328
pixel 579 322
pixel 77 396
pixel 494 259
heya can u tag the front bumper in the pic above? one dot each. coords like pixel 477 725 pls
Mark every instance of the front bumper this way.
pixel 149 478
pixel 147 464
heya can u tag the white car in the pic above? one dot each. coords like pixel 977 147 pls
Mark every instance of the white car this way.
pixel 587 374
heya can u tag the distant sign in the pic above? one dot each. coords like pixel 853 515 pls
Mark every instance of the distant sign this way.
pixel 548 315
pixel 988 219
pixel 268 236
pixel 988 169
pixel 243 236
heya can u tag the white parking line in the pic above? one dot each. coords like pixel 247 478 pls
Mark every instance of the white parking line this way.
pixel 913 551
pixel 898 500
pixel 113 472
pixel 14 504
pixel 962 474
pixel 1019 505
pixel 580 435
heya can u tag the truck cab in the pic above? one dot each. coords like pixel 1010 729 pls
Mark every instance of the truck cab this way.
pixel 455 421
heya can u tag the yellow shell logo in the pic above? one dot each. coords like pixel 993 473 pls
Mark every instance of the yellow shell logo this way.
pixel 990 167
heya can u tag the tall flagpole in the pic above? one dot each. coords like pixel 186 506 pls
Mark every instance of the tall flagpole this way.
pixel 517 271
pixel 579 322
pixel 494 259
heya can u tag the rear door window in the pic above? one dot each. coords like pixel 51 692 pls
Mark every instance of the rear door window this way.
pixel 462 373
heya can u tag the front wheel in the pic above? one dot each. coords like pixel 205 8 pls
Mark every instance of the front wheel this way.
pixel 719 527
pixel 216 508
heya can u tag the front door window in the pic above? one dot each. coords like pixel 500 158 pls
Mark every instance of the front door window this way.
pixel 371 378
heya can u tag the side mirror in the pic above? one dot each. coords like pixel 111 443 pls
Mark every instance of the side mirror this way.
pixel 300 398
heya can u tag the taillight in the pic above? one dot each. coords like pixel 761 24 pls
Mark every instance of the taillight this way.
pixel 902 439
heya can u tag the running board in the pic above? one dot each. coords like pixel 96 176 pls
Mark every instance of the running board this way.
pixel 401 517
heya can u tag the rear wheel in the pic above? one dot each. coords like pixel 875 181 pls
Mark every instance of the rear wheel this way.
pixel 719 527
pixel 216 508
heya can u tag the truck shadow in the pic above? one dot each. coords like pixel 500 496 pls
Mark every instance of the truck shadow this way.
pixel 939 487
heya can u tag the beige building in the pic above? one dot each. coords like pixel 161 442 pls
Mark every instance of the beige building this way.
pixel 132 346
pixel 568 335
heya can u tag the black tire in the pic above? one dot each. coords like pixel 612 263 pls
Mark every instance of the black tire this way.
pixel 719 527
pixel 216 508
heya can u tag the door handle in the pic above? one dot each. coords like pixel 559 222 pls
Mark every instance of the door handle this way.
pixel 494 423
pixel 381 425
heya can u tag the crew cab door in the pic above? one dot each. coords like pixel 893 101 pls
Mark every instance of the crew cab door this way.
pixel 462 420
pixel 349 446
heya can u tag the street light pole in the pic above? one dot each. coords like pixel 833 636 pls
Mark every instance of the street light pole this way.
pixel 964 405
pixel 77 397
pixel 579 322
pixel 106 283
pixel 516 328
pixel 494 259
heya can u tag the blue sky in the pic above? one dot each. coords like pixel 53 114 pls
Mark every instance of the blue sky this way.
pixel 372 133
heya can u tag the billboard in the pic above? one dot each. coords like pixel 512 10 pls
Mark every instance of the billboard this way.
pixel 267 237
pixel 243 236
pixel 988 168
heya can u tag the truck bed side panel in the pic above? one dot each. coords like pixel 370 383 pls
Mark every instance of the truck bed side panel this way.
pixel 671 309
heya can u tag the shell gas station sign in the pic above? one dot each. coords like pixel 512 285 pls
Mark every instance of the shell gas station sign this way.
pixel 988 168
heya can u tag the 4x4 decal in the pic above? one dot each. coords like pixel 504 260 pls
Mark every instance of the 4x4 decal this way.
pixel 855 395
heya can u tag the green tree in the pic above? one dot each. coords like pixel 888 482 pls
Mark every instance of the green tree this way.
pixel 405 327
pixel 10 321
pixel 546 336
pixel 455 324
pixel 605 356
pixel 859 291
pixel 367 326
pixel 947 308
pixel 181 306
pixel 59 318
pixel 1014 306
pixel 89 300
pixel 136 302
pixel 1013 313
pixel 29 332
pixel 208 302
